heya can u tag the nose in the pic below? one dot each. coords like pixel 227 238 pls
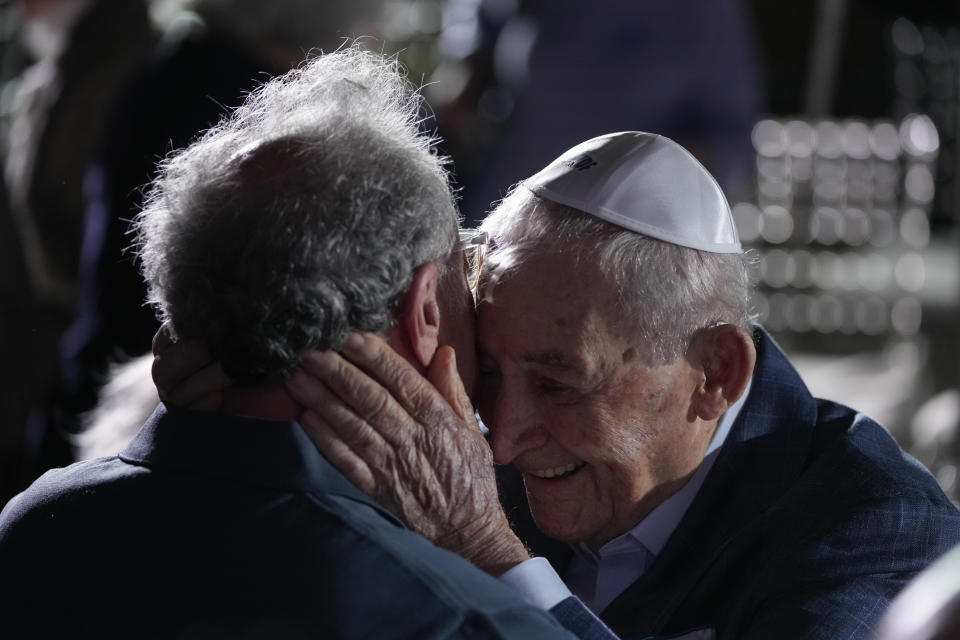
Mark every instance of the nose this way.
pixel 515 426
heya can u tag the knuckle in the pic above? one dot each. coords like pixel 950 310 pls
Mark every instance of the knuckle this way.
pixel 377 403
pixel 356 470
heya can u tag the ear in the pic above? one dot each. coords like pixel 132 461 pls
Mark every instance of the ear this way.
pixel 724 355
pixel 419 318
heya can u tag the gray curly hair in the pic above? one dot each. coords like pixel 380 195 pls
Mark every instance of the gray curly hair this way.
pixel 690 289
pixel 301 216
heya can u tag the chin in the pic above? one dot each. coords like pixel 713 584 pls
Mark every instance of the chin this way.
pixel 557 526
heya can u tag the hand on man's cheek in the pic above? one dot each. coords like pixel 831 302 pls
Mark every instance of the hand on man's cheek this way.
pixel 416 450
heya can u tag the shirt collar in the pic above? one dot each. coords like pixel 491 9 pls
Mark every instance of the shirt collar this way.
pixel 245 451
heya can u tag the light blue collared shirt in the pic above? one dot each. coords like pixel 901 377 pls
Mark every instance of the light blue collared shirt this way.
pixel 598 578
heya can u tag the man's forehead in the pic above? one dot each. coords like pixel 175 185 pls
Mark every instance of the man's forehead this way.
pixel 549 315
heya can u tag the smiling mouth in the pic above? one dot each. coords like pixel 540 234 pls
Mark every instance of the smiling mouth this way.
pixel 557 472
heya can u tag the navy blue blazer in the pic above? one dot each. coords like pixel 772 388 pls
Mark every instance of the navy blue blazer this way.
pixel 810 521
pixel 218 526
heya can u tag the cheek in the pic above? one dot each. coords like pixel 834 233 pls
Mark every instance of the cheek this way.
pixel 618 442
pixel 586 431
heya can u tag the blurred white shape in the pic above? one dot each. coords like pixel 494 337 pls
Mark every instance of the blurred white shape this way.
pixel 776 169
pixel 906 37
pixel 774 192
pixel 777 268
pixel 828 315
pixel 800 138
pixel 874 272
pixel 918 183
pixel 776 225
pixel 446 83
pixel 777 309
pixel 911 272
pixel 906 316
pixel 915 228
pixel 769 138
pixel 856 139
pixel 935 423
pixel 871 315
pixel 947 478
pixel 746 217
pixel 827 270
pixel 885 141
pixel 878 383
pixel 856 227
pixel 829 137
pixel 927 608
pixel 512 51
pixel 829 192
pixel 852 267
pixel 919 135
pixel 826 225
pixel 761 307
pixel 801 313
pixel 883 228
pixel 850 305
pixel 803 268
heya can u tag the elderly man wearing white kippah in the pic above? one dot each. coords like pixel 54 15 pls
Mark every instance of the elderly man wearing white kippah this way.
pixel 667 459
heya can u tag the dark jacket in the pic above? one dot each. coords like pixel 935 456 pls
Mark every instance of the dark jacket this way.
pixel 218 526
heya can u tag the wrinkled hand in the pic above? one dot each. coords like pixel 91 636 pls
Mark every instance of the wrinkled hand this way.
pixel 185 373
pixel 409 442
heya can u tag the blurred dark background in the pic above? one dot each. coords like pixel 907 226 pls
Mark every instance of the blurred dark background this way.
pixel 832 126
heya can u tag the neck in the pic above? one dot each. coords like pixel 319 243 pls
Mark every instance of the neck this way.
pixel 267 402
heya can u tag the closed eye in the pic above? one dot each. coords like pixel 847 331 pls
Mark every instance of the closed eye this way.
pixel 550 386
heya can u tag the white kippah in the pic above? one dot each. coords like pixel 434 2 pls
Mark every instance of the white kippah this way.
pixel 645 183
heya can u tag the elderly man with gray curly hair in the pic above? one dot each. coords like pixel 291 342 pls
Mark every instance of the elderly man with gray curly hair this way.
pixel 316 208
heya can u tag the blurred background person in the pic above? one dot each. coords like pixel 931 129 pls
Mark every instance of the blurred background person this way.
pixel 84 52
pixel 538 77
pixel 64 64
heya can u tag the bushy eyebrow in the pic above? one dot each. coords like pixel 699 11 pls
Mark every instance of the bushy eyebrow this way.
pixel 554 360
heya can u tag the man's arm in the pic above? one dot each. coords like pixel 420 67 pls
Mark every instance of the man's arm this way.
pixel 413 444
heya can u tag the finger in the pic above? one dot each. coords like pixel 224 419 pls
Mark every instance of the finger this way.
pixel 364 396
pixel 177 362
pixel 391 370
pixel 338 452
pixel 366 440
pixel 162 339
pixel 443 374
pixel 203 388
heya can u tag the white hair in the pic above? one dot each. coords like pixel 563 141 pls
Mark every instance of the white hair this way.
pixel 666 292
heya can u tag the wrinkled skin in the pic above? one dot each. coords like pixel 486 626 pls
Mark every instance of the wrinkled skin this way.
pixel 600 432
pixel 434 471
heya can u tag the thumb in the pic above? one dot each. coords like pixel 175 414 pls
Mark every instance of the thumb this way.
pixel 442 374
